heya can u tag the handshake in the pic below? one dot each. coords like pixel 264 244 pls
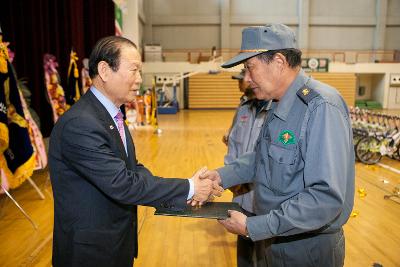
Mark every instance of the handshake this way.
pixel 206 186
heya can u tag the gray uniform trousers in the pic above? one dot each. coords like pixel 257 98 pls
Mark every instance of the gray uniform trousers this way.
pixel 302 250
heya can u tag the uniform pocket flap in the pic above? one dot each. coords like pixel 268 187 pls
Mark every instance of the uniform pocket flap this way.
pixel 282 155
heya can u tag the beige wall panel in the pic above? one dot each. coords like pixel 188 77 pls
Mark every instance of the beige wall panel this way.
pixel 213 91
pixel 345 83
pixel 220 91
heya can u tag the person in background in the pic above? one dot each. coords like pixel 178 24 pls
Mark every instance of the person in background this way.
pixel 97 181
pixel 246 126
pixel 247 94
pixel 303 164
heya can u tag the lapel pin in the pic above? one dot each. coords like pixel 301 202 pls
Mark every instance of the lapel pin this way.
pixel 111 127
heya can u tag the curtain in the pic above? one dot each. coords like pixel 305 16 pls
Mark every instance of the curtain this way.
pixel 36 27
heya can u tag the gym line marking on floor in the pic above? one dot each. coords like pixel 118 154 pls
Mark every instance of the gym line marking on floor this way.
pixel 389 168
pixel 39 249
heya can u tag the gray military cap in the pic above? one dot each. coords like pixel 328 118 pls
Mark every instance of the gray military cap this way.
pixel 260 39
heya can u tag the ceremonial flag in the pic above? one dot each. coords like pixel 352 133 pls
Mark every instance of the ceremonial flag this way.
pixel 73 93
pixel 154 113
pixel 3 106
pixel 119 7
pixel 55 92
pixel 118 21
pixel 17 158
pixel 3 109
pixel 35 136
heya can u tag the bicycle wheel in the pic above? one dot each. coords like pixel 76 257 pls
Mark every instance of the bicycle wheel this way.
pixel 396 154
pixel 367 150
pixel 356 140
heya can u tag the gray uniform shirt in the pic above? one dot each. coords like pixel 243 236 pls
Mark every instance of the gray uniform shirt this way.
pixel 303 165
pixel 245 129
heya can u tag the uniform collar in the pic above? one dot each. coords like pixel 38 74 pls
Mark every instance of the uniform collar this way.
pixel 286 103
pixel 261 105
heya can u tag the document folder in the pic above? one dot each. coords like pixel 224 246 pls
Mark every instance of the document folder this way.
pixel 210 210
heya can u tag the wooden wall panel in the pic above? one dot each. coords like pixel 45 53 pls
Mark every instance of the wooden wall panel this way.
pixel 214 91
pixel 345 83
pixel 221 91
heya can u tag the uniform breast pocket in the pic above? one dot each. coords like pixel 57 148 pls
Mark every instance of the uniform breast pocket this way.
pixel 238 133
pixel 283 166
pixel 237 140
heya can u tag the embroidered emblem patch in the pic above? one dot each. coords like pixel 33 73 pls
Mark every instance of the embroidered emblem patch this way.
pixel 244 118
pixel 305 91
pixel 287 137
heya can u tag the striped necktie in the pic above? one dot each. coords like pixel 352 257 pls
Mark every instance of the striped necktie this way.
pixel 120 123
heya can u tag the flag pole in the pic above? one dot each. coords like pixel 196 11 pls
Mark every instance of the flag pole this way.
pixel 154 113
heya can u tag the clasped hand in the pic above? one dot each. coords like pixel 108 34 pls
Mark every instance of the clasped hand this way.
pixel 236 223
pixel 205 189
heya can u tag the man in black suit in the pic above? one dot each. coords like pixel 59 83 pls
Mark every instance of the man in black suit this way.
pixel 97 181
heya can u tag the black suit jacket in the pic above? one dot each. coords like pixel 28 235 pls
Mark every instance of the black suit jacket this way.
pixel 96 188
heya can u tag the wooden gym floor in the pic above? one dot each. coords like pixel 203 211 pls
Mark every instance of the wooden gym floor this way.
pixel 190 140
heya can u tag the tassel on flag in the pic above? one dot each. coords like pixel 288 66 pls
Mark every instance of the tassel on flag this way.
pixel 73 93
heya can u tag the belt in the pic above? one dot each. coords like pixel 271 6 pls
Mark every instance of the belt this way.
pixel 285 239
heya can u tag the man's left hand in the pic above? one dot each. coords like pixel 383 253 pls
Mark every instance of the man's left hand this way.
pixel 236 223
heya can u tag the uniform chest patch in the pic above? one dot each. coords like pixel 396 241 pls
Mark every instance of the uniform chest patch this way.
pixel 287 137
pixel 244 118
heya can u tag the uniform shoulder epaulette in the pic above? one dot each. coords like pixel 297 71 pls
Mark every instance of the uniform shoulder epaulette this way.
pixel 306 94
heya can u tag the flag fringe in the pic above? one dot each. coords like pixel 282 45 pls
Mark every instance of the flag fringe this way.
pixel 4 141
pixel 22 173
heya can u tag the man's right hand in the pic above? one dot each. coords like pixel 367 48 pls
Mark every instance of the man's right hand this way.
pixel 204 189
pixel 212 175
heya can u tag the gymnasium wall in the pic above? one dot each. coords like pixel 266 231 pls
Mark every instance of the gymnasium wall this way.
pixel 320 24
pixel 220 91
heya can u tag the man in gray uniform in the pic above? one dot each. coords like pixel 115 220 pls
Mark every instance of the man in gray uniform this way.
pixel 247 94
pixel 303 164
pixel 242 137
